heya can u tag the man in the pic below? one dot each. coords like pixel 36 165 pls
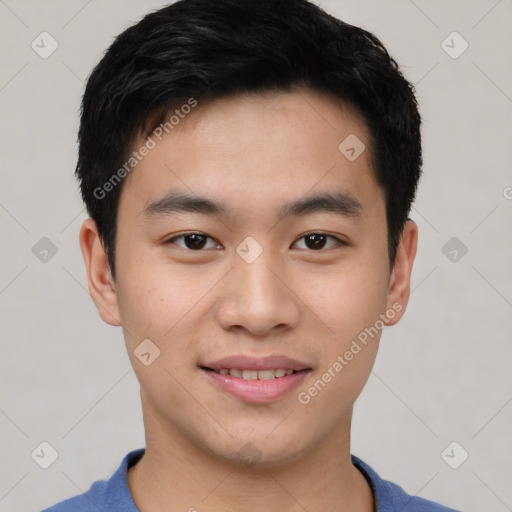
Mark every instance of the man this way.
pixel 248 167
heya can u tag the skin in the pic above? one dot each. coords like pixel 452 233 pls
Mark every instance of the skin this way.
pixel 252 153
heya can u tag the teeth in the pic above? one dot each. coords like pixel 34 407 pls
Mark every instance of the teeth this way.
pixel 255 374
pixel 266 374
pixel 249 374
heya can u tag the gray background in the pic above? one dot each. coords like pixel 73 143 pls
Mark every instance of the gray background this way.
pixel 442 375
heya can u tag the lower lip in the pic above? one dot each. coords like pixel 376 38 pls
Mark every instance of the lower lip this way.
pixel 258 391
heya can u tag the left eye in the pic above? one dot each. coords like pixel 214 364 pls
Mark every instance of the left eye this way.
pixel 317 241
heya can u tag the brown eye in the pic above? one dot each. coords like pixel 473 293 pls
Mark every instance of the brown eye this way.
pixel 319 241
pixel 193 241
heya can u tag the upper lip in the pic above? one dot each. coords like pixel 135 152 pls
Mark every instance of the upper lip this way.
pixel 245 362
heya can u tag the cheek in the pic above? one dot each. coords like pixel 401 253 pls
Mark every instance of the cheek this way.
pixel 156 306
pixel 163 302
pixel 346 302
pixel 346 350
pixel 348 305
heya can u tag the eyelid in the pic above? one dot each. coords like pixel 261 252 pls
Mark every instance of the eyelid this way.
pixel 339 240
pixel 169 241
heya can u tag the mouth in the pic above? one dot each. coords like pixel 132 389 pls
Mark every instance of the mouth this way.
pixel 256 380
pixel 269 374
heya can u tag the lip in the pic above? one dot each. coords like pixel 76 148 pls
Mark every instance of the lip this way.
pixel 246 362
pixel 257 391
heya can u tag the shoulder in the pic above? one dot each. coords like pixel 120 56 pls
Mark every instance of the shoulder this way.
pixel 112 494
pixel 390 497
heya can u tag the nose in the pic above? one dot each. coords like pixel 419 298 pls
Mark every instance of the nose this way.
pixel 258 297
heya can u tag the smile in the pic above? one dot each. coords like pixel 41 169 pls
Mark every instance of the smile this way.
pixel 254 374
pixel 256 386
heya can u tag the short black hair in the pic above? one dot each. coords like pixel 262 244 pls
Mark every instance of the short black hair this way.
pixel 209 49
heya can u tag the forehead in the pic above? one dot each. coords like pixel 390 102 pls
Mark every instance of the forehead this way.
pixel 248 149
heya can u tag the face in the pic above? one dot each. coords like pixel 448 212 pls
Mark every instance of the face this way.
pixel 248 242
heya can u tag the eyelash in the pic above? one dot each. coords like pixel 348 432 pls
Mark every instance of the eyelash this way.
pixel 338 240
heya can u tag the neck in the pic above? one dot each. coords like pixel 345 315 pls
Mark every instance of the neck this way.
pixel 176 474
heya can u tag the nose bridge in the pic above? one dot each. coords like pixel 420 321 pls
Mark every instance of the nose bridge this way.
pixel 258 284
pixel 259 281
pixel 256 297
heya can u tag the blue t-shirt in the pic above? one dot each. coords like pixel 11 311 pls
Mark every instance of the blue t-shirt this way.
pixel 113 495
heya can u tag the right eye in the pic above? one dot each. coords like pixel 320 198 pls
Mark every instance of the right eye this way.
pixel 192 241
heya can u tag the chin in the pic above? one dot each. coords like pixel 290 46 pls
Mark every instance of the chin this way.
pixel 260 454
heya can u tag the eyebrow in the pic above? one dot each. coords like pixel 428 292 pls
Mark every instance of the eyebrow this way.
pixel 339 203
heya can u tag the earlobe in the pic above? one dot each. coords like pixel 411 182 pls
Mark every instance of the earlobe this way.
pixel 99 277
pixel 400 280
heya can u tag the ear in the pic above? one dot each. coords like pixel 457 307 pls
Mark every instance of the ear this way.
pixel 99 277
pixel 400 280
